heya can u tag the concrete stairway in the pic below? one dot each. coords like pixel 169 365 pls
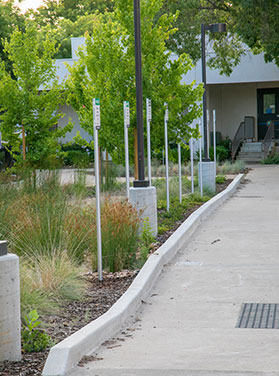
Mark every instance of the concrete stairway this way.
pixel 251 152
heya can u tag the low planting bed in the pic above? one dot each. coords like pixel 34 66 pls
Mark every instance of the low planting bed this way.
pixel 57 261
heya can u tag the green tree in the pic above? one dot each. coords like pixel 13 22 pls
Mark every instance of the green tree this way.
pixel 257 23
pixel 66 19
pixel 106 69
pixel 250 23
pixel 10 18
pixel 29 101
pixel 227 47
pixel 54 10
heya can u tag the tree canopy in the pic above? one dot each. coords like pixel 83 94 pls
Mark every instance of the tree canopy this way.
pixel 30 98
pixel 68 18
pixel 250 22
pixel 106 69
pixel 10 18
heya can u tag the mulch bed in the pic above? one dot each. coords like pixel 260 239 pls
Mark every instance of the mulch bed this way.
pixel 100 296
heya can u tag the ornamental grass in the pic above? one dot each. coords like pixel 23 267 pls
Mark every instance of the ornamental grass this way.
pixel 55 236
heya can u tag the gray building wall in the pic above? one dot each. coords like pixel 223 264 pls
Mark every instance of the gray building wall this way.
pixel 71 115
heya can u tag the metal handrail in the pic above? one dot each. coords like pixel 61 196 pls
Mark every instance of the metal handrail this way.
pixel 238 139
pixel 268 139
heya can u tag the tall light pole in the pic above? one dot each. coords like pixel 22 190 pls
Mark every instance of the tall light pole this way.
pixel 142 195
pixel 214 28
pixel 141 182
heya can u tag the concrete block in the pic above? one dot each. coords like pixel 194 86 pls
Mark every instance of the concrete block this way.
pixel 10 343
pixel 145 200
pixel 208 171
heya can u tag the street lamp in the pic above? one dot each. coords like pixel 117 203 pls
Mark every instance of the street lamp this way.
pixel 214 28
pixel 141 182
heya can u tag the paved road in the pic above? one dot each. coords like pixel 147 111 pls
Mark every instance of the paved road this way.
pixel 188 324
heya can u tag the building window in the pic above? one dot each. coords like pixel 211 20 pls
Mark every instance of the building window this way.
pixel 269 103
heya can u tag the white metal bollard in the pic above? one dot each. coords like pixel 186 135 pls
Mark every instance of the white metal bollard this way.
pixel 148 120
pixel 126 127
pixel 179 172
pixel 166 156
pixel 96 127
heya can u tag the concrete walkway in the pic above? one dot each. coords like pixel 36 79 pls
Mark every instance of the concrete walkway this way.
pixel 188 324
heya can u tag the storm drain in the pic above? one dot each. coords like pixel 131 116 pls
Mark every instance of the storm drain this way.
pixel 259 316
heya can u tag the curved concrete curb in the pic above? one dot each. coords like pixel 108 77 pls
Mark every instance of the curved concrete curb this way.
pixel 66 354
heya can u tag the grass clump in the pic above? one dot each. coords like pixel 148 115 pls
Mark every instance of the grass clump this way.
pixel 53 235
pixel 231 167
pixel 33 296
pixel 146 240
pixel 160 185
pixel 120 234
pixel 48 280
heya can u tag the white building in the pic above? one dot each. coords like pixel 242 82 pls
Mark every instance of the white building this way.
pixel 251 91
pixel 70 114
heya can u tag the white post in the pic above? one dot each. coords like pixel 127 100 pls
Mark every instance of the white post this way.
pixel 166 156
pixel 201 183
pixel 208 132
pixel 192 164
pixel 96 127
pixel 126 126
pixel 148 120
pixel 179 172
pixel 214 135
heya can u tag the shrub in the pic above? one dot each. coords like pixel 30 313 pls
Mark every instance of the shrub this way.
pixel 77 156
pixel 227 143
pixel 272 159
pixel 222 153
pixel 173 154
pixel 220 179
pixel 34 340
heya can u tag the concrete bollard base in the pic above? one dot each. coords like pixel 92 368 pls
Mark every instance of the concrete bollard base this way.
pixel 145 200
pixel 10 343
pixel 208 170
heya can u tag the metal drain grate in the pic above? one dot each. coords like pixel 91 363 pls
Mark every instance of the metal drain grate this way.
pixel 259 316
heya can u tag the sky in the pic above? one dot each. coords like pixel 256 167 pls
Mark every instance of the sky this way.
pixel 26 4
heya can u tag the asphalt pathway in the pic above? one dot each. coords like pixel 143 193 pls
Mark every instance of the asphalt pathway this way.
pixel 188 325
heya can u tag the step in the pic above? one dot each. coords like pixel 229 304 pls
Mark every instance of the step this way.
pixel 251 147
pixel 250 159
pixel 259 155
